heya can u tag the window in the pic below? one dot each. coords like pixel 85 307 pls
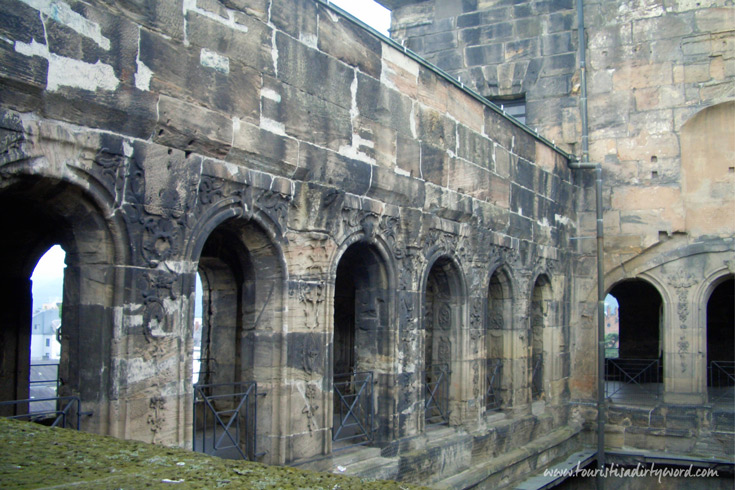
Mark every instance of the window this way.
pixel 48 342
pixel 513 106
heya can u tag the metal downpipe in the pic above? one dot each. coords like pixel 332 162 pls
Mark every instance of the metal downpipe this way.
pixel 585 164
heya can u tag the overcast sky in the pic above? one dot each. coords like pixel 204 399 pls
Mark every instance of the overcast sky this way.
pixel 374 15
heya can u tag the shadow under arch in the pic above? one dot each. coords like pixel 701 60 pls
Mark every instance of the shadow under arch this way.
pixel 444 300
pixel 36 212
pixel 719 309
pixel 541 316
pixel 637 373
pixel 363 347
pixel 499 320
pixel 243 276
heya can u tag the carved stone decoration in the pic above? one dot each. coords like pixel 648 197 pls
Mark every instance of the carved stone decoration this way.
pixel 475 337
pixel 389 230
pixel 155 286
pixel 682 281
pixel 156 417
pixel 683 345
pixel 438 239
pixel 476 379
pixel 311 294
pixel 495 320
pixel 11 141
pixel 444 316
pixel 476 312
pixel 310 360
pixel 408 339
pixel 111 165
pixel 310 394
pixel 276 205
pixel 160 240
pixel 210 191
pixel 730 266
pixel 445 349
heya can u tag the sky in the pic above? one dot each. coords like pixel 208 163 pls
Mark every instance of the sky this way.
pixel 374 15
pixel 48 277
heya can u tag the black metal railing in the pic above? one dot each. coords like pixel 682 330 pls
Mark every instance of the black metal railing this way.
pixel 493 377
pixel 436 393
pixel 60 411
pixel 43 383
pixel 537 377
pixel 226 419
pixel 721 381
pixel 632 379
pixel 353 408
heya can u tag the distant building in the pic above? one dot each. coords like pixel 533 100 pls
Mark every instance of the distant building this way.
pixel 45 325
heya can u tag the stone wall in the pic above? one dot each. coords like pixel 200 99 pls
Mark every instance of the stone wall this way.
pixel 660 81
pixel 258 143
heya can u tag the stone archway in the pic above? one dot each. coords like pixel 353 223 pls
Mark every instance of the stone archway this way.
pixel 242 286
pixel 637 372
pixel 36 213
pixel 720 341
pixel 541 315
pixel 361 347
pixel 444 301
pixel 499 319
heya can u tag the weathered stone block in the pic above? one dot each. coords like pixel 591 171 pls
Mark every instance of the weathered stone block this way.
pixel 349 43
pixel 192 128
pixel 317 164
pixel 298 18
pixel 250 45
pixel 307 117
pixel 377 102
pixel 313 72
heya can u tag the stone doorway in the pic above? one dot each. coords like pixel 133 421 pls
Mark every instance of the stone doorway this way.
pixel 361 347
pixel 636 375
pixel 36 214
pixel 541 313
pixel 443 309
pixel 239 273
pixel 721 342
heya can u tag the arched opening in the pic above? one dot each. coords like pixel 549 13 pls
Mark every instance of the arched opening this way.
pixel 721 342
pixel 541 312
pixel 443 301
pixel 360 347
pixel 36 214
pixel 47 291
pixel 239 286
pixel 499 313
pixel 637 371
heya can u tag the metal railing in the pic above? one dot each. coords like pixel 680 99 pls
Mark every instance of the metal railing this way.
pixel 436 393
pixel 632 380
pixel 493 377
pixel 43 383
pixel 721 381
pixel 353 408
pixel 58 411
pixel 225 419
pixel 537 377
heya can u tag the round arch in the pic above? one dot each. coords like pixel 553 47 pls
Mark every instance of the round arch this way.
pixel 363 329
pixel 42 207
pixel 446 369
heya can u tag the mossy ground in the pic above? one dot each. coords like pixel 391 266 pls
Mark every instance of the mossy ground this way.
pixel 34 456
